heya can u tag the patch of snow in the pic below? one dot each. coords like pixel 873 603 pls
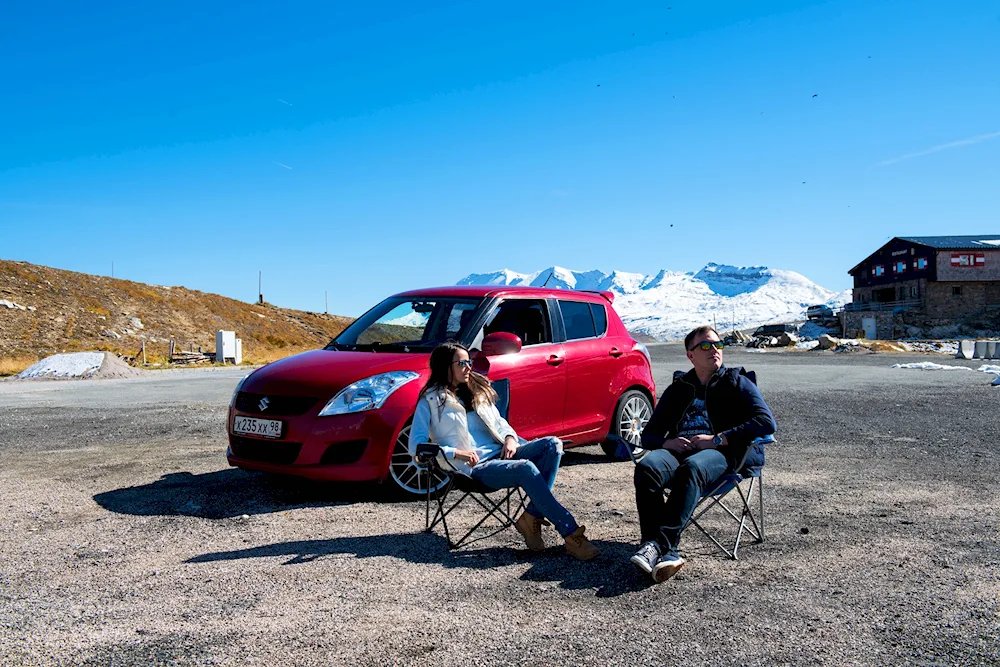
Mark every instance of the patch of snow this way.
pixel 76 364
pixel 931 366
pixel 807 344
pixel 11 305
pixel 988 368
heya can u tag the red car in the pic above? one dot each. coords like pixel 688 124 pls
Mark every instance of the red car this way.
pixel 343 412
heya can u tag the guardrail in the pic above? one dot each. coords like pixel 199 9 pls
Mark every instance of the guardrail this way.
pixel 905 304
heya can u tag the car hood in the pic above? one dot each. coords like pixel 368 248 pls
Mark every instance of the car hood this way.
pixel 322 373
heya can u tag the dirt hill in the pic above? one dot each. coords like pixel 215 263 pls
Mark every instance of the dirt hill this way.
pixel 44 311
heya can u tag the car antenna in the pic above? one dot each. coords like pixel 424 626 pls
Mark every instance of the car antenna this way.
pixel 551 273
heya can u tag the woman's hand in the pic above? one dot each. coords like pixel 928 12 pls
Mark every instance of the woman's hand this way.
pixel 510 446
pixel 471 456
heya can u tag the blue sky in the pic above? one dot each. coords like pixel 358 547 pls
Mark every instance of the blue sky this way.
pixel 381 146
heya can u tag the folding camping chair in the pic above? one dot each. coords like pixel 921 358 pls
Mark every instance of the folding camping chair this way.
pixel 749 473
pixel 742 513
pixel 501 506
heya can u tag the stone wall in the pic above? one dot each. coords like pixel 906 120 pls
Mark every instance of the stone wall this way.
pixel 885 325
pixel 988 271
pixel 941 301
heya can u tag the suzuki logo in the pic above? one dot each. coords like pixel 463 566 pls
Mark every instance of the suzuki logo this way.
pixel 263 404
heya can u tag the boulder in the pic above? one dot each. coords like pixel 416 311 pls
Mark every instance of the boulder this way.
pixel 828 342
pixel 109 333
pixel 786 339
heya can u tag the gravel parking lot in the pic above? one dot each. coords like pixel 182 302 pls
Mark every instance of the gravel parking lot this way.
pixel 126 540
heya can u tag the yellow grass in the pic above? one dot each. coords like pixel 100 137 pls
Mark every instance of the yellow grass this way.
pixel 14 365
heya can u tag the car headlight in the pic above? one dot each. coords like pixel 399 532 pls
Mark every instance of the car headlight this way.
pixel 367 394
pixel 239 385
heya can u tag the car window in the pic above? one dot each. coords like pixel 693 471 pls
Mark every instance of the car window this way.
pixel 408 324
pixel 578 319
pixel 600 318
pixel 525 318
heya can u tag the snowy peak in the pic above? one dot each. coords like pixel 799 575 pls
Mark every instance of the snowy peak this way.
pixel 669 304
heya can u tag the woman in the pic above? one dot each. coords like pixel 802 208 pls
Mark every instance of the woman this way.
pixel 457 410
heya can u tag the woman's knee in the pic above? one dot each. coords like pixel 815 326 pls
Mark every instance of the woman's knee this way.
pixel 554 445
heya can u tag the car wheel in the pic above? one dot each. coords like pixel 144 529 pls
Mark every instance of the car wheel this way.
pixel 631 416
pixel 408 477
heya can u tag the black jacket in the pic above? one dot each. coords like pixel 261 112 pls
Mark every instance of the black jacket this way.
pixel 735 409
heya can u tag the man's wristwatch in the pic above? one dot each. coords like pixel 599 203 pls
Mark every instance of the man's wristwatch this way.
pixel 717 441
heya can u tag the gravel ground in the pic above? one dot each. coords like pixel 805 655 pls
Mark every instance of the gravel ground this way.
pixel 126 540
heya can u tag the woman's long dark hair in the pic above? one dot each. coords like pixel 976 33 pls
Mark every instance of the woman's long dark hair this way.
pixel 476 392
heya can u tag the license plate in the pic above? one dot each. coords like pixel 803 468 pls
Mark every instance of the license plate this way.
pixel 266 428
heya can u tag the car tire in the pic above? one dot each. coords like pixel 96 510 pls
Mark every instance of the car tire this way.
pixel 406 477
pixel 631 416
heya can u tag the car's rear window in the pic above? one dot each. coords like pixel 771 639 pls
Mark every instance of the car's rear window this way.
pixel 583 319
pixel 408 324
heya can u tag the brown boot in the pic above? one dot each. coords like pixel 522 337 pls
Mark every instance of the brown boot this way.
pixel 531 528
pixel 579 547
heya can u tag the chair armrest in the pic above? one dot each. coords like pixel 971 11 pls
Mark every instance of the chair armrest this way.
pixel 427 453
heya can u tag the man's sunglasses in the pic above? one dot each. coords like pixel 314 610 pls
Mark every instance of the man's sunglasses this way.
pixel 707 345
pixel 463 363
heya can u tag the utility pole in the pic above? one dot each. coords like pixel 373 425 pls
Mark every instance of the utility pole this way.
pixel 260 293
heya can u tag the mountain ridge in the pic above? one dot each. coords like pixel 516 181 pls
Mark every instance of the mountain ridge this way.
pixel 668 304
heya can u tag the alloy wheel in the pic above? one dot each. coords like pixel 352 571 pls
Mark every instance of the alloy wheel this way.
pixel 407 475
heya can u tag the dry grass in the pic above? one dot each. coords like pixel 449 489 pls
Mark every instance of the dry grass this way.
pixel 14 365
pixel 75 312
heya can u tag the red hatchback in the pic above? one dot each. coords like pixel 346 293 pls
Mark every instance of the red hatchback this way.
pixel 563 359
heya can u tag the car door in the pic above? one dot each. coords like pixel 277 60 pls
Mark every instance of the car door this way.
pixel 593 361
pixel 537 373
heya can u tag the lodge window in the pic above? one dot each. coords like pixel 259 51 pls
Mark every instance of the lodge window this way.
pixel 920 263
pixel 956 290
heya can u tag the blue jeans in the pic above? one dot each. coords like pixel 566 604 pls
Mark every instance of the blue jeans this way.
pixel 663 520
pixel 533 468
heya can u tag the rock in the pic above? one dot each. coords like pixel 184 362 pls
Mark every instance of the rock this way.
pixel 108 333
pixel 786 339
pixel 136 323
pixel 828 342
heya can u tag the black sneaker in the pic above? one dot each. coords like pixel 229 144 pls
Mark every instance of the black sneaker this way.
pixel 667 566
pixel 647 555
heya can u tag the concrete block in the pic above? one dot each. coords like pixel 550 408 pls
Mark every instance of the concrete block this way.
pixel 979 351
pixel 992 351
pixel 965 349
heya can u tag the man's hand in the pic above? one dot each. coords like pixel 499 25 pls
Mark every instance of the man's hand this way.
pixel 471 456
pixel 678 445
pixel 702 442
pixel 510 446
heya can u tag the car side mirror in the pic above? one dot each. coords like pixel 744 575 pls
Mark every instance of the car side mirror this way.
pixel 501 342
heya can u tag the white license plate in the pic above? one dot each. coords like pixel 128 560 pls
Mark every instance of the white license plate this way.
pixel 267 428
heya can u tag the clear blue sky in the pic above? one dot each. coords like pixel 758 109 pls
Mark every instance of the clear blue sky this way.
pixel 376 147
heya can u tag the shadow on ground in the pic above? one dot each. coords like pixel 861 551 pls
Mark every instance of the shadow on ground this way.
pixel 610 574
pixel 230 493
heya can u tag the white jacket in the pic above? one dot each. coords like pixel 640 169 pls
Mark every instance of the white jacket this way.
pixel 440 418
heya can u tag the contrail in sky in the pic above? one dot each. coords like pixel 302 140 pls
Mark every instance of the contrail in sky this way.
pixel 282 165
pixel 943 147
pixel 283 101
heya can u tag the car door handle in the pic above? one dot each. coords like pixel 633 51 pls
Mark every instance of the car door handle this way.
pixel 615 352
pixel 555 359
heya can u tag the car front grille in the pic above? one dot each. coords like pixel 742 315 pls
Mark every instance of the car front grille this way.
pixel 278 406
pixel 265 451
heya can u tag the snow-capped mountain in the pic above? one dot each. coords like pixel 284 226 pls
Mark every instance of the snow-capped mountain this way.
pixel 669 304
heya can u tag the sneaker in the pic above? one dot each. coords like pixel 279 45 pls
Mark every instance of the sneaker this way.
pixel 667 566
pixel 647 555
pixel 579 547
pixel 531 528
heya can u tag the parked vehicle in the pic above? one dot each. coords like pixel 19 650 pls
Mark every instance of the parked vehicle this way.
pixel 344 412
pixel 774 330
pixel 819 312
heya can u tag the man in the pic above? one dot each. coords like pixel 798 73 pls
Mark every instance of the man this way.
pixel 702 427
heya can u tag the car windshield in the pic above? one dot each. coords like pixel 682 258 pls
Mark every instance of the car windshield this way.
pixel 408 324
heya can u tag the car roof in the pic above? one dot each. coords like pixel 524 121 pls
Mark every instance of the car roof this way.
pixel 506 290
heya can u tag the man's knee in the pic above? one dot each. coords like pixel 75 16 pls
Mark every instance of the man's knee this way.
pixel 649 473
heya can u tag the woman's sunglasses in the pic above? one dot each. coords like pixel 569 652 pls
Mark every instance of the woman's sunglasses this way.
pixel 463 363
pixel 707 345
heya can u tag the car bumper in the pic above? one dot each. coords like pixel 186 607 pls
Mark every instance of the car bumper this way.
pixel 353 447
